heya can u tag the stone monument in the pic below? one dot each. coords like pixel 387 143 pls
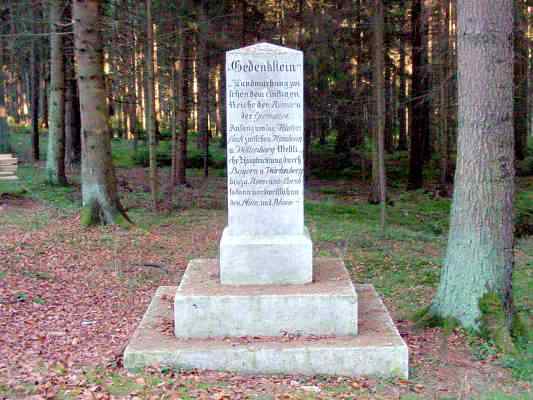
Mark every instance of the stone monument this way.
pixel 266 306
pixel 265 241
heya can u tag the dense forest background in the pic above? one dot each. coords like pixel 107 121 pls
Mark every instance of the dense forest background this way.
pixel 182 57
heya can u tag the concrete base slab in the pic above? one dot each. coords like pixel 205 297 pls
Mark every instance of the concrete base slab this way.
pixel 205 308
pixel 265 260
pixel 378 350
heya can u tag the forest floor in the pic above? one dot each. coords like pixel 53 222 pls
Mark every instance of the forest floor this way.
pixel 70 298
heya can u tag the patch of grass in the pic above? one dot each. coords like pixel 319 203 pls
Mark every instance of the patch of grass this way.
pixel 40 275
pixel 122 386
pixel 521 365
pixel 504 396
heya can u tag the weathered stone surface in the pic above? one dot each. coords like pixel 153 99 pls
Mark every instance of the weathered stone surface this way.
pixel 264 86
pixel 205 308
pixel 378 349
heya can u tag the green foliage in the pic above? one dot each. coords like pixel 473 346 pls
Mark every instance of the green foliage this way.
pixel 195 156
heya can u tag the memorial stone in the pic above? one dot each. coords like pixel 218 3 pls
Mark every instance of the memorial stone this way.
pixel 265 241
pixel 268 289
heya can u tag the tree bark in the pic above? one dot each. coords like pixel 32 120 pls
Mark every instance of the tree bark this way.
pixel 55 159
pixel 479 256
pixel 99 185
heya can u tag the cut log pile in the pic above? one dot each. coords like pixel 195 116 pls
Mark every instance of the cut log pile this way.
pixel 8 167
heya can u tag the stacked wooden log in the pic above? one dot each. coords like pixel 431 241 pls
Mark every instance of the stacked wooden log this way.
pixel 8 167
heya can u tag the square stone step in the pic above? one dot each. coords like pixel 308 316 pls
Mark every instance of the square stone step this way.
pixel 206 308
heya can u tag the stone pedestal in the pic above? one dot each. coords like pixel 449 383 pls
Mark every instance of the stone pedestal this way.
pixel 377 349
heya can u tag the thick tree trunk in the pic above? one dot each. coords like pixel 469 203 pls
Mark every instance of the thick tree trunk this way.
pixel 150 105
pixel 479 256
pixel 99 185
pixel 55 159
pixel 419 94
pixel 378 145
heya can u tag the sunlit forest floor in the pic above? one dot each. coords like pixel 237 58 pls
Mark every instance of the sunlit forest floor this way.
pixel 71 297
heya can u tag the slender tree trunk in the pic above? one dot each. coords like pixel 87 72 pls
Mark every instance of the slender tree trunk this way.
pixel 99 185
pixel 43 97
pixel 223 133
pixel 72 122
pixel 402 140
pixel 479 256
pixel 183 94
pixel 388 83
pixel 150 105
pixel 55 159
pixel 203 84
pixel 173 125
pixel 378 148
pixel 34 89
pixel 132 94
pixel 443 93
pixel 520 79
pixel 420 108
pixel 4 128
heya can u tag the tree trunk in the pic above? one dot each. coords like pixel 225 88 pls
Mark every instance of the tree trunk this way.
pixel 479 256
pixel 55 159
pixel 99 185
pixel 443 93
pixel 419 94
pixel 520 79
pixel 150 105
pixel 203 84
pixel 43 97
pixel 72 122
pixel 222 102
pixel 4 128
pixel 34 89
pixel 378 145
pixel 183 94
pixel 402 140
